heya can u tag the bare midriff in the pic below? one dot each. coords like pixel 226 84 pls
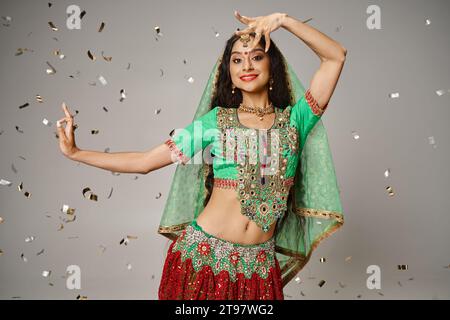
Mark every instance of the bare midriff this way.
pixel 223 219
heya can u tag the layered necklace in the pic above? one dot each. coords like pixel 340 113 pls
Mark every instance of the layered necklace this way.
pixel 260 112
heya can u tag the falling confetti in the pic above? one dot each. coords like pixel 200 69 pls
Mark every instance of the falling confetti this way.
pixel 162 72
pixel 67 210
pixel 322 260
pixel 190 80
pixel 24 258
pixel 1 220
pixel 348 258
pixel 390 192
pixel 5 182
pixel 110 193
pixel 129 66
pixel 61 226
pixel 158 111
pixel 355 135
pixel 91 56
pixel 39 98
pixel 127 239
pixel 29 239
pixel 432 142
pixel 51 69
pixel 342 285
pixel 122 95
pixel 8 20
pixel 158 31
pixel 59 54
pixel 129 267
pixel 22 50
pixel 24 105
pixel 427 22
pixel 95 131
pixel 18 129
pixel 321 283
pixel 40 252
pixel 46 273
pixel 394 95
pixel 102 26
pixel 52 26
pixel 339 28
pixel 387 172
pixel 82 14
pixel 1 252
pixel 80 297
pixel 102 248
pixel 298 280
pixel 440 92
pixel 402 267
pixel 92 196
pixel 102 80
pixel 158 195
pixel 106 58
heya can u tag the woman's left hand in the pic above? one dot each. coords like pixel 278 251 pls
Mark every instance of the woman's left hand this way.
pixel 260 25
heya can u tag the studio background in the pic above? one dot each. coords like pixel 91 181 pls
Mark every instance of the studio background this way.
pixel 163 76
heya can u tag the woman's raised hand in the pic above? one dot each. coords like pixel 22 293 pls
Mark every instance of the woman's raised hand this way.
pixel 260 25
pixel 66 135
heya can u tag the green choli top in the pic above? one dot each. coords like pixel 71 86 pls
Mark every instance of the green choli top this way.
pixel 259 163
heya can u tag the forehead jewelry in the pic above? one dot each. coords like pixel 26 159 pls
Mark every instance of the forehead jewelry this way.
pixel 245 39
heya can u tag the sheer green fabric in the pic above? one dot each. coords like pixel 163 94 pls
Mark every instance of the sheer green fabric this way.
pixel 314 206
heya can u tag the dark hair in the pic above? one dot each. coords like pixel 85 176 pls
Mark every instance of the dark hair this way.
pixel 279 95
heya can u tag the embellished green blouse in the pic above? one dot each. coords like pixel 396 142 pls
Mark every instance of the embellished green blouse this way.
pixel 259 163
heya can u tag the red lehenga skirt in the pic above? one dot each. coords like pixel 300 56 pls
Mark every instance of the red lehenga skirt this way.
pixel 200 266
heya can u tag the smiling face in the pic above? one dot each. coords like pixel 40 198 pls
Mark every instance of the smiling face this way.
pixel 244 62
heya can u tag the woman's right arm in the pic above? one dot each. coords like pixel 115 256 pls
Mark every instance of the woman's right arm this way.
pixel 126 162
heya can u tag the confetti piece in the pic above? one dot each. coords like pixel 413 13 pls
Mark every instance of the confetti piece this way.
pixel 359 296
pixel 95 131
pixel 46 122
pixel 190 80
pixel 298 280
pixel 102 26
pixel 39 98
pixel 432 142
pixel 387 172
pixel 129 66
pixel 394 95
pixel 399 283
pixel 427 22
pixel 158 195
pixel 59 54
pixel 106 58
pixel 61 226
pixel 342 285
pixel 390 192
pixel 49 4
pixel 1 220
pixel 46 273
pixel 339 28
pixel 301 292
pixel 51 69
pixel 321 283
pixel 52 26
pixel 307 20
pixel 153 276
pixel 348 258
pixel 381 294
pixel 40 252
pixel 67 210
pixel 91 56
pixel 92 196
pixel 355 135
pixel 80 297
pixel 24 258
pixel 122 95
pixel 402 267
pixel 104 108
pixel 110 193
pixel 158 31
pixel 22 50
pixel 129 267
pixel 102 80
pixel 18 129
pixel 102 248
pixel 1 252
pixel 82 14
pixel 5 182
pixel 322 260
pixel 162 72
pixel 8 20
pixel 29 239
pixel 440 92
pixel 158 111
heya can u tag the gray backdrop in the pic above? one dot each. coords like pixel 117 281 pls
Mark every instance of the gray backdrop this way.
pixel 406 56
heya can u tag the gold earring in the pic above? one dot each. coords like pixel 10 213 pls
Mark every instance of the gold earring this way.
pixel 232 88
pixel 271 83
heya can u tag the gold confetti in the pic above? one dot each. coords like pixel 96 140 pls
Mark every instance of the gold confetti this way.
pixel 46 273
pixel 51 69
pixel 359 296
pixel 355 135
pixel 322 260
pixel 106 58
pixel 66 209
pixel 80 297
pixel 402 267
pixel 129 267
pixel 390 192
pixel 59 54
pixel 92 196
pixel 61 226
pixel 1 220
pixel 387 172
pixel 39 98
pixel 21 51
pixel 95 131
pixel 122 95
pixel 321 283
pixel 91 56
pixel 29 239
pixel 52 26
pixel 394 95
pixel 158 195
pixel 5 182
pixel 102 25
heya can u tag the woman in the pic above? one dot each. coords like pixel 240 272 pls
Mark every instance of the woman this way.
pixel 245 219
